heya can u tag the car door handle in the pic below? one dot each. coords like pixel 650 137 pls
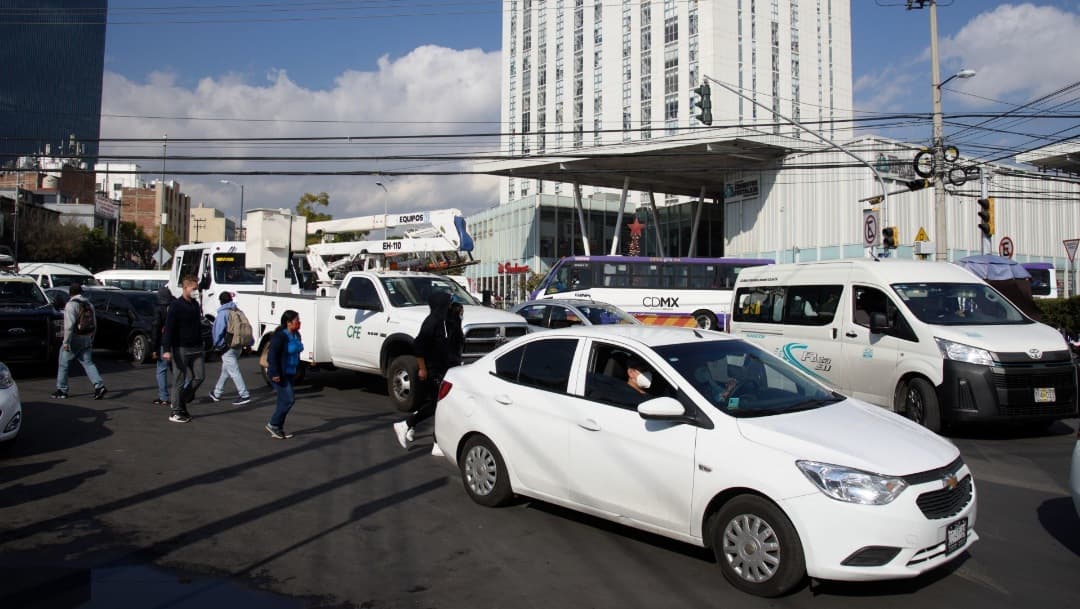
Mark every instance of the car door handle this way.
pixel 589 424
pixel 851 335
pixel 339 317
pixel 503 399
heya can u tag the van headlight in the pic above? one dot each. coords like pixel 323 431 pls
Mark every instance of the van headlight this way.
pixel 963 353
pixel 5 377
pixel 852 485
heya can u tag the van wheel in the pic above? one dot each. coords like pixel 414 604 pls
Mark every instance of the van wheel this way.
pixel 402 383
pixel 706 320
pixel 758 548
pixel 921 404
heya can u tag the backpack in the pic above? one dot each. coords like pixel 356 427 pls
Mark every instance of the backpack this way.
pixel 85 322
pixel 238 330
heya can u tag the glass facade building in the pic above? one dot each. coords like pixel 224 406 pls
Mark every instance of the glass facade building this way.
pixel 53 57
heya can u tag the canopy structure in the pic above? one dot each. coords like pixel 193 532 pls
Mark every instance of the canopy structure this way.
pixel 993 267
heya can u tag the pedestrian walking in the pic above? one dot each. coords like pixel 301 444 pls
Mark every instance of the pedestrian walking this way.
pixel 182 345
pixel 283 359
pixel 164 299
pixel 432 348
pixel 80 325
pixel 232 334
pixel 456 333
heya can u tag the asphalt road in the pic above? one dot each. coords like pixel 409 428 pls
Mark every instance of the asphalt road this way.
pixel 107 504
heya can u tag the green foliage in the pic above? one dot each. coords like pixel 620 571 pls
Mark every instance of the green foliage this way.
pixel 1061 313
pixel 309 205
pixel 95 250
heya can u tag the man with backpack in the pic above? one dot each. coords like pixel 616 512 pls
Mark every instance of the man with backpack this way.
pixel 80 324
pixel 232 334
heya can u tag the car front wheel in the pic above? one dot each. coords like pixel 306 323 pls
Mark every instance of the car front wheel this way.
pixel 140 348
pixel 757 547
pixel 483 473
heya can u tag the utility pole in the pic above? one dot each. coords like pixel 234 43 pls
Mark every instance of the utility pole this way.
pixel 199 223
pixel 162 219
pixel 941 218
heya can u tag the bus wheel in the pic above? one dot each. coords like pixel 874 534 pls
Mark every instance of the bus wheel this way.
pixel 706 320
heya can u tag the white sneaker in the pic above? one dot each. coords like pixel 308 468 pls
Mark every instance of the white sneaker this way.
pixel 436 451
pixel 401 430
pixel 411 434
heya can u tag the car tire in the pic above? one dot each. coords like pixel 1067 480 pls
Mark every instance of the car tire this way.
pixel 757 547
pixel 483 473
pixel 139 348
pixel 920 403
pixel 706 320
pixel 401 383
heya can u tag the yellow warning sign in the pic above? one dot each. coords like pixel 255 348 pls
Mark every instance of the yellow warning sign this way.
pixel 922 236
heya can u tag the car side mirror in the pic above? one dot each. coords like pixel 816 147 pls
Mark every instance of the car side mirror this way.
pixel 879 324
pixel 661 409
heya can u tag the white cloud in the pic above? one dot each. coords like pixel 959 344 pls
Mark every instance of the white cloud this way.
pixel 430 90
pixel 1018 51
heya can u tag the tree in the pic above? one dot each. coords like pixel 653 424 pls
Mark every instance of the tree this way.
pixel 309 204
pixel 95 249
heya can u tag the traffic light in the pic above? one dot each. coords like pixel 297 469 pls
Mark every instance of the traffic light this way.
pixel 917 184
pixel 704 102
pixel 986 217
pixel 888 237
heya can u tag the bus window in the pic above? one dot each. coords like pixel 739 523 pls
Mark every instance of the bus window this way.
pixel 229 269
pixel 189 264
pixel 703 277
pixel 616 275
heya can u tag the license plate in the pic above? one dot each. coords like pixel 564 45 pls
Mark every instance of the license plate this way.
pixel 1045 394
pixel 956 536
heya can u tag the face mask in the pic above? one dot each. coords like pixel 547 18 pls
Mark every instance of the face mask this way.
pixel 644 380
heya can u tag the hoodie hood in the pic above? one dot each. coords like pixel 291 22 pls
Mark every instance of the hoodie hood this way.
pixel 164 295
pixel 440 304
pixel 228 305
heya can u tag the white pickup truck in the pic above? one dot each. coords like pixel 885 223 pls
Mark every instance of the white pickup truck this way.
pixel 369 324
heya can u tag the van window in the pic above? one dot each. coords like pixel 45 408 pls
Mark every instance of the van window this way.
pixel 867 301
pixel 812 305
pixel 189 264
pixel 759 304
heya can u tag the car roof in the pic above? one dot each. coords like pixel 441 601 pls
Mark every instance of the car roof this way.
pixel 652 336
pixel 887 271
pixel 573 302
pixel 54 267
pixel 12 277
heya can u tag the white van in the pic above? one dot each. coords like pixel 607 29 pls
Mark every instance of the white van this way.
pixel 57 274
pixel 133 279
pixel 928 339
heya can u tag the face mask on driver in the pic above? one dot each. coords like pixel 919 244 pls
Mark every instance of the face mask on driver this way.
pixel 644 380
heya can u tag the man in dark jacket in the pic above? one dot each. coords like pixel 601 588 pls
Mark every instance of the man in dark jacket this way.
pixel 161 311
pixel 432 348
pixel 182 344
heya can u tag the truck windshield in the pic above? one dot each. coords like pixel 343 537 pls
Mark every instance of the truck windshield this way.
pixel 958 304
pixel 229 269
pixel 406 291
pixel 21 294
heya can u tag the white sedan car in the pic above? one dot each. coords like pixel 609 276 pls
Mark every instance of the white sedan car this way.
pixel 10 406
pixel 707 439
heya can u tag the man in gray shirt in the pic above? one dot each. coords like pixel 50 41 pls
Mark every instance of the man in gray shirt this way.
pixel 80 324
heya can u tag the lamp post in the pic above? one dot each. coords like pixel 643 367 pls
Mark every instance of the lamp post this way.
pixel 941 219
pixel 240 231
pixel 385 193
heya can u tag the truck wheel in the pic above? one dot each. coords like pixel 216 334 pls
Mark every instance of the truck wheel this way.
pixel 921 404
pixel 400 383
pixel 140 348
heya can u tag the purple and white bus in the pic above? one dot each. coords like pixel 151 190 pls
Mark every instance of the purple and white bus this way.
pixel 659 291
pixel 1043 279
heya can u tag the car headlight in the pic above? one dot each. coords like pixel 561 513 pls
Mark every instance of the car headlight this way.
pixel 5 377
pixel 852 485
pixel 963 353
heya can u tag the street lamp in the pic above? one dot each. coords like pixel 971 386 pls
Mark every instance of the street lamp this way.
pixel 385 193
pixel 940 218
pixel 240 231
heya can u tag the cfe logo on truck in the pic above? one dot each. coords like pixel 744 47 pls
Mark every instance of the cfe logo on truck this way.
pixel 353 331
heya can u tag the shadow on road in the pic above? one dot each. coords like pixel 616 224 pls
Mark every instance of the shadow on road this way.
pixel 58 425
pixel 1058 516
pixel 1012 431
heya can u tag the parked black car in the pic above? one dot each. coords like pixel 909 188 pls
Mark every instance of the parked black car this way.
pixel 125 319
pixel 30 327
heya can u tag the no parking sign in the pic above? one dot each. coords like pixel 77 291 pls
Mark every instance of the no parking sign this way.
pixel 1006 247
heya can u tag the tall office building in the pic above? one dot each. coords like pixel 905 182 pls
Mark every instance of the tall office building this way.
pixel 53 53
pixel 580 74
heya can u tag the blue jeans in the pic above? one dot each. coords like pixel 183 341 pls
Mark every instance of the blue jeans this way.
pixel 162 377
pixel 286 397
pixel 230 368
pixel 81 348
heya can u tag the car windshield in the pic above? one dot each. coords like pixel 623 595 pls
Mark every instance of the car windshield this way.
pixel 229 269
pixel 59 280
pixel 958 304
pixel 143 303
pixel 742 380
pixel 412 291
pixel 604 314
pixel 21 294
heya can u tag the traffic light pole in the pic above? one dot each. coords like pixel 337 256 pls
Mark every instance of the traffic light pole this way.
pixel 941 219
pixel 986 241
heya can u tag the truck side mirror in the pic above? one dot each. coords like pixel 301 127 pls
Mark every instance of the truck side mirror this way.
pixel 204 283
pixel 879 324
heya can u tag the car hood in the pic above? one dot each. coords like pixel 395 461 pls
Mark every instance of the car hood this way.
pixel 853 434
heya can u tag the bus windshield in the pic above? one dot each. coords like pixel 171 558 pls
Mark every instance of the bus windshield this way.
pixel 229 269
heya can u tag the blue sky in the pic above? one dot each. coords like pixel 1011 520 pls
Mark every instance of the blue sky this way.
pixel 316 59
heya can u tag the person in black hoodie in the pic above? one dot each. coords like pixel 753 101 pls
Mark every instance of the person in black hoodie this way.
pixel 182 344
pixel 161 311
pixel 432 348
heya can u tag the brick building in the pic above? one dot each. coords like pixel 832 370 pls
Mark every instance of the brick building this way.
pixel 144 207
